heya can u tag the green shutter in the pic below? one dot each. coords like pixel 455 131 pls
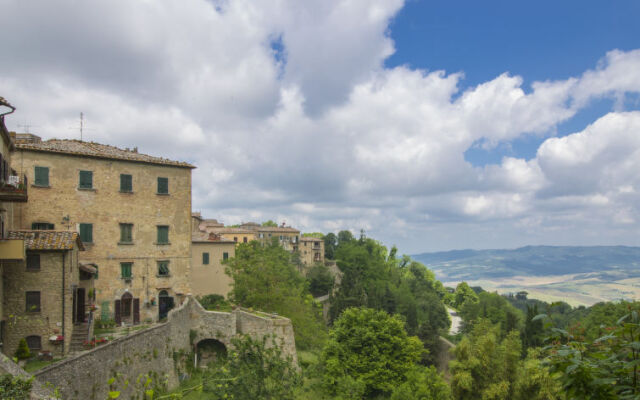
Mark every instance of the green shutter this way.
pixel 86 233
pixel 86 180
pixel 163 234
pixel 163 268
pixel 163 185
pixel 126 235
pixel 205 258
pixel 42 176
pixel 225 256
pixel 125 269
pixel 126 184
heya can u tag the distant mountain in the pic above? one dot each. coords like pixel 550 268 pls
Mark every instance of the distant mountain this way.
pixel 533 261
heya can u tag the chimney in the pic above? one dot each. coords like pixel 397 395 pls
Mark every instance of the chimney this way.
pixel 27 138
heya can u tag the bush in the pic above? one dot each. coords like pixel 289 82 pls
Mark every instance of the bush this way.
pixel 14 387
pixel 22 352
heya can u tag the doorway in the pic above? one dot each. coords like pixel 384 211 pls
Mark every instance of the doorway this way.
pixel 165 304
pixel 127 310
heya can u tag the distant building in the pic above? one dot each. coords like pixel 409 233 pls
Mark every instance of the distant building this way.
pixel 132 212
pixel 208 250
pixel 311 250
pixel 47 294
pixel 287 236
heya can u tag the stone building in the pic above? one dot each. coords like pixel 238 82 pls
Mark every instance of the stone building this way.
pixel 131 210
pixel 47 296
pixel 287 236
pixel 311 250
pixel 234 234
pixel 208 250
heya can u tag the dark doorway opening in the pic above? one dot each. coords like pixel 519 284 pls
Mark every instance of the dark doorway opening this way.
pixel 210 351
pixel 78 305
pixel 165 304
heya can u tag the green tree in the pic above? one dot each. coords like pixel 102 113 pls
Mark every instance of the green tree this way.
pixel 265 278
pixel 370 347
pixel 22 352
pixel 14 387
pixel 422 383
pixel 464 294
pixel 330 244
pixel 270 223
pixel 493 307
pixel 345 237
pixel 320 280
pixel 255 369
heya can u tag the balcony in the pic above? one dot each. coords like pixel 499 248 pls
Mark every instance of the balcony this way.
pixel 12 250
pixel 13 188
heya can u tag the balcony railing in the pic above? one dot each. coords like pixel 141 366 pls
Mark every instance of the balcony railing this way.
pixel 13 188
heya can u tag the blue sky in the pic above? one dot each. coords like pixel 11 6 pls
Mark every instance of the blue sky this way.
pixel 331 115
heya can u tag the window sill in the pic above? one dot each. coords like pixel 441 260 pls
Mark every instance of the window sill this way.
pixel 33 312
pixel 163 276
pixel 162 244
pixel 87 189
pixel 41 186
pixel 162 194
pixel 123 192
pixel 32 269
pixel 127 278
pixel 126 243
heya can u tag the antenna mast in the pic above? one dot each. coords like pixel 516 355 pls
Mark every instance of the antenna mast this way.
pixel 81 124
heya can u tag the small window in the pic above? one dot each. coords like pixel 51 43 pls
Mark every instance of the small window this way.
pixel 163 185
pixel 86 180
pixel 163 268
pixel 205 258
pixel 280 237
pixel 126 233
pixel 163 234
pixel 40 226
pixel 34 342
pixel 86 233
pixel 41 176
pixel 125 270
pixel 244 239
pixel 33 262
pixel 225 256
pixel 126 183
pixel 235 238
pixel 95 276
pixel 33 302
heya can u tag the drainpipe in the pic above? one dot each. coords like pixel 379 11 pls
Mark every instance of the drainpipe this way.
pixel 63 294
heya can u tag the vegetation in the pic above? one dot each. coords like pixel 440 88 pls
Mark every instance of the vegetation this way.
pixel 214 302
pixel 320 280
pixel 15 388
pixel 22 352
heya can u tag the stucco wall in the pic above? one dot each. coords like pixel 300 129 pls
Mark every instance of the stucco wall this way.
pixel 210 278
pixel 106 207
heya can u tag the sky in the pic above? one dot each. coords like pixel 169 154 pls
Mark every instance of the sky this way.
pixel 431 125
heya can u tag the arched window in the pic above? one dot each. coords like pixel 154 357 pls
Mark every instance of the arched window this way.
pixel 34 342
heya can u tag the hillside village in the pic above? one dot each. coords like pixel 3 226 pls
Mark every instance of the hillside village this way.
pixel 91 233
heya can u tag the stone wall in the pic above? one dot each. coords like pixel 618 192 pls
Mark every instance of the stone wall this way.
pixel 158 351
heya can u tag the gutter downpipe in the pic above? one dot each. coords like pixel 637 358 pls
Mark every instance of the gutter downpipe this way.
pixel 63 295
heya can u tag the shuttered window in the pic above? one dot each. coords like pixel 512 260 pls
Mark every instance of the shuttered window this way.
pixel 38 226
pixel 86 180
pixel 205 258
pixel 126 183
pixel 163 234
pixel 33 262
pixel 225 256
pixel 163 268
pixel 126 233
pixel 41 176
pixel 34 342
pixel 125 270
pixel 163 185
pixel 86 233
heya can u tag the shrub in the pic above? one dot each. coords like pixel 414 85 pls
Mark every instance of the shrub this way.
pixel 22 352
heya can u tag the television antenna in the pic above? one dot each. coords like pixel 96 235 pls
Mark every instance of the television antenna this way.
pixel 82 126
pixel 27 127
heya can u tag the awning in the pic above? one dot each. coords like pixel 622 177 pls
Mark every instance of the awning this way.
pixel 89 268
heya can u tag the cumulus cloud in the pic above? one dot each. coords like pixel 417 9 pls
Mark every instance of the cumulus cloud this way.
pixel 289 114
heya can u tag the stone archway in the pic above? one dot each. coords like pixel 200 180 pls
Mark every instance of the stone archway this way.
pixel 209 351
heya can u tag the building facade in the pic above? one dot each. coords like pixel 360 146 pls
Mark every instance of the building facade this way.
pixel 287 236
pixel 311 250
pixel 207 271
pixel 132 212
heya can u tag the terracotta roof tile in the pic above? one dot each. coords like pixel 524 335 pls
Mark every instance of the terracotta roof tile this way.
pixel 97 150
pixel 48 240
pixel 310 239
pixel 208 237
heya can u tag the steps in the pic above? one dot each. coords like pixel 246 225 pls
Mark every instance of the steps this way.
pixel 79 336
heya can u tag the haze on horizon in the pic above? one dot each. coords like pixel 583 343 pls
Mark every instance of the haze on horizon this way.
pixel 429 125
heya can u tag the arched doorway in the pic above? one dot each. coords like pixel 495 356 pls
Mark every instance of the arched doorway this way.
pixel 127 309
pixel 210 351
pixel 165 304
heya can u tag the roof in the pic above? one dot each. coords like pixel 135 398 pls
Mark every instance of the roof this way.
pixel 229 229
pixel 310 239
pixel 88 268
pixel 208 237
pixel 287 229
pixel 97 150
pixel 48 240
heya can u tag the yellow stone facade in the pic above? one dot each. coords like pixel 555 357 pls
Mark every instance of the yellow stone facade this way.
pixel 63 204
pixel 210 278
pixel 311 251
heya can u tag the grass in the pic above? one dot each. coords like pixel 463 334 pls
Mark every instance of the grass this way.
pixel 34 364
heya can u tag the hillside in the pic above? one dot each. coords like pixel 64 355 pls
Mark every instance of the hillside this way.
pixel 578 275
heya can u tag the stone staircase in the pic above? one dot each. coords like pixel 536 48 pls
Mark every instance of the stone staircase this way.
pixel 79 336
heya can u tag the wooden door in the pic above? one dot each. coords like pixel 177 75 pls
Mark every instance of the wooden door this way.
pixel 136 311
pixel 80 295
pixel 117 310
pixel 74 307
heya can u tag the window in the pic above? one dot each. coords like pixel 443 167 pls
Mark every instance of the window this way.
pixel 163 234
pixel 126 185
pixel 205 258
pixel 163 268
pixel 235 238
pixel 125 270
pixel 163 185
pixel 41 176
pixel 244 239
pixel 126 233
pixel 225 256
pixel 95 276
pixel 86 233
pixel 86 180
pixel 33 262
pixel 33 302
pixel 34 342
pixel 37 226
